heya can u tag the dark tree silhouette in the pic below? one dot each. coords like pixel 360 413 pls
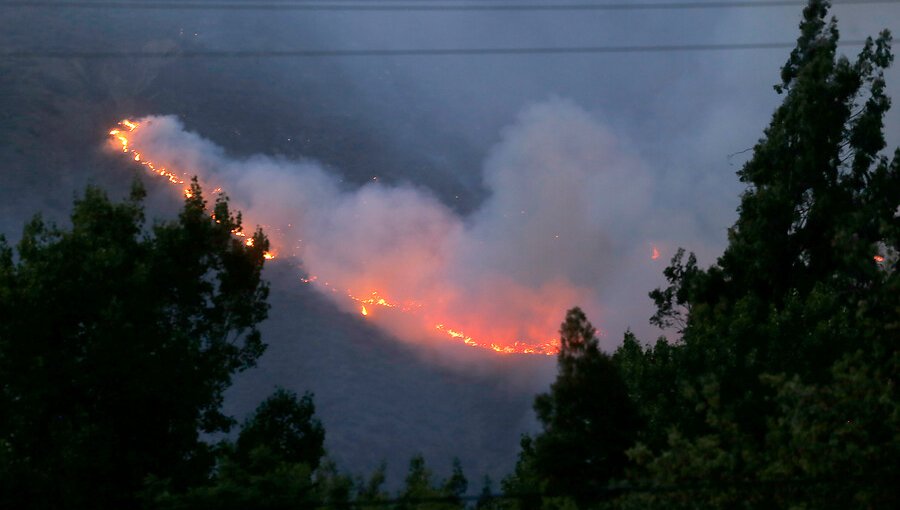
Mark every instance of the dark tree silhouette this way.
pixel 787 347
pixel 588 419
pixel 116 343
pixel 284 425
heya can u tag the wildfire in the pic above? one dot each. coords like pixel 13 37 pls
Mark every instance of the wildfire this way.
pixel 376 299
pixel 654 253
pixel 878 258
pixel 120 136
pixel 549 348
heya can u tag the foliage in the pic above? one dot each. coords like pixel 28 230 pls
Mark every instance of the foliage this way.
pixel 420 492
pixel 525 485
pixel 779 389
pixel 274 477
pixel 271 467
pixel 648 373
pixel 789 338
pixel 588 420
pixel 265 482
pixel 285 426
pixel 116 343
pixel 847 430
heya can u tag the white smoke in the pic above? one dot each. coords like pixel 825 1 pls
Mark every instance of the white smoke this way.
pixel 566 223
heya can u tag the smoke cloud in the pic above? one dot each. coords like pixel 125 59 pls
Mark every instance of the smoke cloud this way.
pixel 566 223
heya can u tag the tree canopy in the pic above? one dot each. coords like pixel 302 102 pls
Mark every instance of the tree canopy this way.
pixel 117 340
pixel 272 465
pixel 778 387
pixel 588 419
pixel 809 275
pixel 284 425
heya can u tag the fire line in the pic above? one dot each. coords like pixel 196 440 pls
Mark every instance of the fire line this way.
pixel 120 136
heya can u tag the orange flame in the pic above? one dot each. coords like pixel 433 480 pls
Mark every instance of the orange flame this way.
pixel 120 136
pixel 878 258
pixel 654 253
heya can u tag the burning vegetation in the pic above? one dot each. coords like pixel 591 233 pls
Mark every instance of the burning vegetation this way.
pixel 369 301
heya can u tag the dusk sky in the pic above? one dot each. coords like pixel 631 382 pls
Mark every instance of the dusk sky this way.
pixel 491 190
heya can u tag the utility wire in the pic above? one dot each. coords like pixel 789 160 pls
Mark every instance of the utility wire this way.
pixel 428 52
pixel 317 5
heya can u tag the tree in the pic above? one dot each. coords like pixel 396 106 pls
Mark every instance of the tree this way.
pixel 846 430
pixel 648 373
pixel 792 334
pixel 525 486
pixel 486 499
pixel 588 418
pixel 781 379
pixel 420 492
pixel 284 425
pixel 117 341
pixel 275 464
pixel 808 265
pixel 371 491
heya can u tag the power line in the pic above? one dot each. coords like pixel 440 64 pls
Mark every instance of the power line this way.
pixel 317 5
pixel 425 52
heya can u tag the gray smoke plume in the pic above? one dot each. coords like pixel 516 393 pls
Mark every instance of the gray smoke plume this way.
pixel 567 222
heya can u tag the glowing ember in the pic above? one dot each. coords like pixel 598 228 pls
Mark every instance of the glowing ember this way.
pixel 376 299
pixel 549 348
pixel 120 136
